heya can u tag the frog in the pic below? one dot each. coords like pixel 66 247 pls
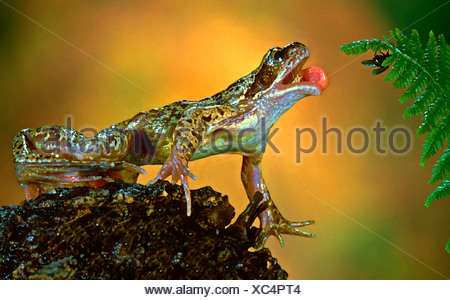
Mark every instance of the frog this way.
pixel 237 120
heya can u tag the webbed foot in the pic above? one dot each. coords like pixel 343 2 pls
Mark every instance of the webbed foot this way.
pixel 273 223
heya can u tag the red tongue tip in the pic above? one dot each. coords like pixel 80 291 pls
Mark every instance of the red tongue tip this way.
pixel 315 75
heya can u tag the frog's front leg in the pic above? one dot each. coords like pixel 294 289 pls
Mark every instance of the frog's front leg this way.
pixel 272 222
pixel 189 133
pixel 186 141
pixel 187 136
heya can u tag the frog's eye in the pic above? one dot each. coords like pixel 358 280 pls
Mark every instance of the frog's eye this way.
pixel 278 56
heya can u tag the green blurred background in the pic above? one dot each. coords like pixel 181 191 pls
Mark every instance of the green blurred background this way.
pixel 101 62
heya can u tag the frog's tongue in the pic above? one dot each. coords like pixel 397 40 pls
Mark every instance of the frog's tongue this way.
pixel 315 75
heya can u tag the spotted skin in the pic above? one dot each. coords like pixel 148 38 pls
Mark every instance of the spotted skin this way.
pixel 237 120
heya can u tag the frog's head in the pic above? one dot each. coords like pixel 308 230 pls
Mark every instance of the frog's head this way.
pixel 280 74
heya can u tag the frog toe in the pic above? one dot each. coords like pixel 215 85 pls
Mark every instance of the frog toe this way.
pixel 285 227
pixel 275 224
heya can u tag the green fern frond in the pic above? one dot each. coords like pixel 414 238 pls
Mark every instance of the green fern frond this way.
pixel 442 191
pixel 416 88
pixel 440 171
pixel 431 52
pixel 444 63
pixel 362 46
pixel 416 46
pixel 435 140
pixel 421 104
pixel 433 114
pixel 448 246
pixel 424 71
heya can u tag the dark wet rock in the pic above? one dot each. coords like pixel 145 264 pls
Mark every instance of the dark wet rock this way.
pixel 131 231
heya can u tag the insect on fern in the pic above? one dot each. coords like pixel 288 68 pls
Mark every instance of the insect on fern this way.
pixel 424 71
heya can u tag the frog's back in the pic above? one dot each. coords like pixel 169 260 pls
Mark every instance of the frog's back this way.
pixel 150 133
pixel 159 120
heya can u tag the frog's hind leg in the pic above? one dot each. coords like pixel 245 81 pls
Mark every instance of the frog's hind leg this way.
pixel 44 159
pixel 45 174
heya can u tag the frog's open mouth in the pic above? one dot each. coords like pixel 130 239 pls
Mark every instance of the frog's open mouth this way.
pixel 310 81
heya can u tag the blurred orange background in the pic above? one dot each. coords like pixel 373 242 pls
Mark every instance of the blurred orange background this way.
pixel 101 62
